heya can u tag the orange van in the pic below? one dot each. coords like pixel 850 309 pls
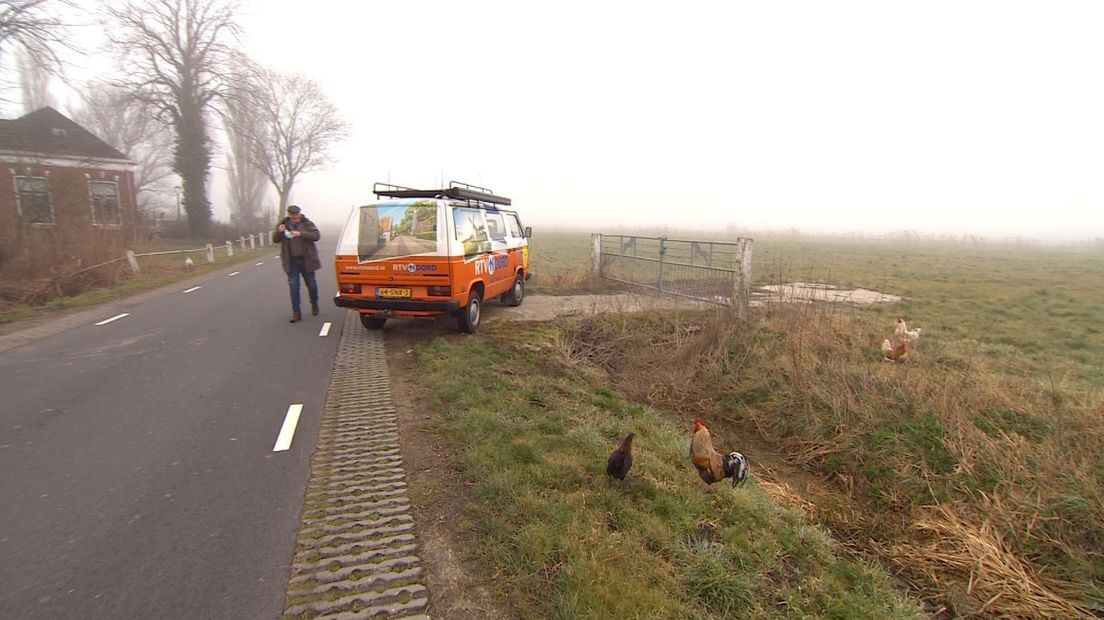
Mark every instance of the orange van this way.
pixel 428 252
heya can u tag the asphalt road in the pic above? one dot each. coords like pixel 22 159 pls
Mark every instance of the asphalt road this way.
pixel 138 477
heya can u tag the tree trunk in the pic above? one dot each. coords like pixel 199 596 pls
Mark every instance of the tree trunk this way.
pixel 193 164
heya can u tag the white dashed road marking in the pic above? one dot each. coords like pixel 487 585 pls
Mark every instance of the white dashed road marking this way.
pixel 194 288
pixel 325 331
pixel 287 431
pixel 114 318
pixel 259 264
pixel 232 274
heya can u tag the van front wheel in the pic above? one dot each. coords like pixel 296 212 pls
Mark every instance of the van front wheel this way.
pixel 516 293
pixel 468 319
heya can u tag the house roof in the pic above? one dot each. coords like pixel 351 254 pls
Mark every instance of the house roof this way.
pixel 48 132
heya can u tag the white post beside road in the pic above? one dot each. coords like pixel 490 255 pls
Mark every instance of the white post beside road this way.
pixel 210 253
pixel 133 260
pixel 229 248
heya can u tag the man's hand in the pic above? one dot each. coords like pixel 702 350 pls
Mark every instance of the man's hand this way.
pixel 281 228
pixel 296 233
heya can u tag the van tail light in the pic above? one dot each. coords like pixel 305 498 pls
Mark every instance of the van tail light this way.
pixel 353 289
pixel 439 291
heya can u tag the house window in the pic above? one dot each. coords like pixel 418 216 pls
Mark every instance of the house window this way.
pixel 33 200
pixel 105 203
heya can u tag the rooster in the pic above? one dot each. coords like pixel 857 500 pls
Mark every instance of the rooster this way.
pixel 903 333
pixel 620 460
pixel 895 353
pixel 711 466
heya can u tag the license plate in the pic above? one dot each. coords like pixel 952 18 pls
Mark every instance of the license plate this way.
pixel 392 292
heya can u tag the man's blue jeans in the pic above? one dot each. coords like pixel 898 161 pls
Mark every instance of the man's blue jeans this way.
pixel 299 266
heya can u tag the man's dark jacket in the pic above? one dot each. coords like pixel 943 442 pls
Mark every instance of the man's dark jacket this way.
pixel 308 236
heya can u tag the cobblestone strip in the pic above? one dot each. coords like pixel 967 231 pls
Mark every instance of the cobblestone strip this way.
pixel 356 555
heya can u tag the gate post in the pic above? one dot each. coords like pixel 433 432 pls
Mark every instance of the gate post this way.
pixel 741 287
pixel 662 252
pixel 596 255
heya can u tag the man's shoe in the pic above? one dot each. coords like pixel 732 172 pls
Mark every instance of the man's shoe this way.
pixel 295 317
pixel 314 308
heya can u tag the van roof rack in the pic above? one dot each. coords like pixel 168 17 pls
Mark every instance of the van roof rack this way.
pixel 456 190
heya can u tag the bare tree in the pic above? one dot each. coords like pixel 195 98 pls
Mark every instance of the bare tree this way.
pixel 124 122
pixel 297 125
pixel 246 183
pixel 34 82
pixel 178 53
pixel 36 28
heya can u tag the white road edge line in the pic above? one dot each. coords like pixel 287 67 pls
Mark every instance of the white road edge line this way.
pixel 232 274
pixel 287 431
pixel 325 331
pixel 114 318
pixel 194 288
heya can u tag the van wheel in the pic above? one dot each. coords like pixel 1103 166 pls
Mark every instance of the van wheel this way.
pixel 516 293
pixel 468 319
pixel 372 322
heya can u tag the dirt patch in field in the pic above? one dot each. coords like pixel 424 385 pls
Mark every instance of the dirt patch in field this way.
pixel 811 292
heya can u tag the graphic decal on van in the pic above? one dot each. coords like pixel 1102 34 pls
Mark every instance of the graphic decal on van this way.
pixel 489 264
pixel 397 230
pixel 471 231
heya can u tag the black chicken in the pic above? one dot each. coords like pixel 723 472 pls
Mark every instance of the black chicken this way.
pixel 619 462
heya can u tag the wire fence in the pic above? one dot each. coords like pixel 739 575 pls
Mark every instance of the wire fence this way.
pixel 711 271
pixel 130 259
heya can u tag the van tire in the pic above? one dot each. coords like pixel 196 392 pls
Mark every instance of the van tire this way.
pixel 516 293
pixel 470 315
pixel 372 322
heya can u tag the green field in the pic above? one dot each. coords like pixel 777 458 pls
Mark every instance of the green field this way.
pixel 972 473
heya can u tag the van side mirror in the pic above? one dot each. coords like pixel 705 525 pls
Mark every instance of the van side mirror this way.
pixel 528 231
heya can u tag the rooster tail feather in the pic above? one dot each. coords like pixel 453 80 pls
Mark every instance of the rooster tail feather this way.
pixel 737 468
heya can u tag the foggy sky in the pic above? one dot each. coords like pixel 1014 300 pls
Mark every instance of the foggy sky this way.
pixel 939 117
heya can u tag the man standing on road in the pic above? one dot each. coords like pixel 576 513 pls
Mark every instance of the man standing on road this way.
pixel 297 235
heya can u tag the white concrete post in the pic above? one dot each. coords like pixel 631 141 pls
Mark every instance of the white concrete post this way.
pixel 229 248
pixel 252 242
pixel 133 260
pixel 210 253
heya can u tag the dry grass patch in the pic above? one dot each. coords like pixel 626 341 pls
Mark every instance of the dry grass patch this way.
pixel 983 491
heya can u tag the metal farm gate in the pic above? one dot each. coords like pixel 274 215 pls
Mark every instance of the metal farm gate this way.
pixel 711 271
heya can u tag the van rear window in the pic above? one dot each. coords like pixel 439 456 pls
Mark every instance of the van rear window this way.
pixel 376 232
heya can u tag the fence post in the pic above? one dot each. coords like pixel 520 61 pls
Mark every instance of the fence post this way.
pixel 252 242
pixel 662 252
pixel 229 248
pixel 133 260
pixel 596 255
pixel 741 293
pixel 210 253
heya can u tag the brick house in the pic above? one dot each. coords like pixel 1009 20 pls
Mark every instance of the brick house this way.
pixel 65 194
